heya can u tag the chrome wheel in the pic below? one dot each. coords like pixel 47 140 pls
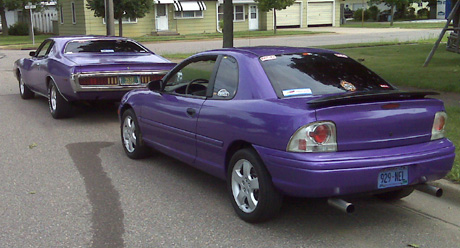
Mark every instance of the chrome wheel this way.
pixel 245 186
pixel 53 95
pixel 21 86
pixel 24 91
pixel 129 134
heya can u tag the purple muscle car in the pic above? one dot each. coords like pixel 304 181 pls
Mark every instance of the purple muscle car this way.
pixel 87 68
pixel 302 122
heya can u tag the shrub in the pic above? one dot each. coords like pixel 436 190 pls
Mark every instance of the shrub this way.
pixel 359 13
pixel 19 28
pixel 423 13
pixel 411 13
pixel 373 12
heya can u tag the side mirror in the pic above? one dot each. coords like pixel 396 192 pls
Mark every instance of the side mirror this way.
pixel 32 54
pixel 155 85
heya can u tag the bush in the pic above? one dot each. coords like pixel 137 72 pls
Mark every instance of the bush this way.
pixel 19 28
pixel 422 13
pixel 373 13
pixel 359 13
pixel 411 13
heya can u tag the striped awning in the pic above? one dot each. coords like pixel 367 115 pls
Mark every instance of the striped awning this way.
pixel 189 5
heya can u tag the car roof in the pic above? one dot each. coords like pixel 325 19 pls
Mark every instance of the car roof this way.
pixel 260 51
pixel 65 39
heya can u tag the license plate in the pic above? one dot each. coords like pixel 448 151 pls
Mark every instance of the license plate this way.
pixel 129 80
pixel 393 177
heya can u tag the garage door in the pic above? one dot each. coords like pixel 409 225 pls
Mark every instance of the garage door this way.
pixel 319 13
pixel 289 16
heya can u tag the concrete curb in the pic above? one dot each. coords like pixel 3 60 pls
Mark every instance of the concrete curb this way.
pixel 447 185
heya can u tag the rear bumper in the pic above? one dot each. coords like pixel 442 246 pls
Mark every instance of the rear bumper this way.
pixel 354 172
pixel 98 95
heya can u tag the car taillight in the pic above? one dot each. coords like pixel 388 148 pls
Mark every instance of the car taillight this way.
pixel 113 80
pixel 314 137
pixel 321 133
pixel 148 78
pixel 437 132
pixel 98 81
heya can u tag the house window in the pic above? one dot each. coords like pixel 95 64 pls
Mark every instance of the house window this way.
pixel 238 12
pixel 188 14
pixel 61 14
pixel 74 15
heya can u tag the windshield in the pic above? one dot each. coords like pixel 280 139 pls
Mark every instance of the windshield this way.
pixel 318 74
pixel 103 46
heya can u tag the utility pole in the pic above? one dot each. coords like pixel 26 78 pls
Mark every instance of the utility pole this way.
pixel 228 24
pixel 109 18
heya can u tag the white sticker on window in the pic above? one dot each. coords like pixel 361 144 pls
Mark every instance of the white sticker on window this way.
pixel 223 93
pixel 297 92
pixel 107 51
pixel 266 58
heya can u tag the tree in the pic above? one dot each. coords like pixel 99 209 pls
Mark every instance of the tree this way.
pixel 228 24
pixel 267 5
pixel 13 5
pixel 122 9
pixel 392 4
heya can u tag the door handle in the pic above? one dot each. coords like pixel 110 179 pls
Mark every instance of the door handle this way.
pixel 191 112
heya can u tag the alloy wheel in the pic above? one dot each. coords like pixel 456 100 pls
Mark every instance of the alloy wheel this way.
pixel 245 186
pixel 129 134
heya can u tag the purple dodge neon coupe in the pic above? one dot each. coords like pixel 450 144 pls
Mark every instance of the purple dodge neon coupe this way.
pixel 302 122
pixel 88 68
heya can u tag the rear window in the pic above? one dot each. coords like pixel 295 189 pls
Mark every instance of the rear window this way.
pixel 318 74
pixel 103 46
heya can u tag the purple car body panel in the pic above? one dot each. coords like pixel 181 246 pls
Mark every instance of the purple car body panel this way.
pixel 64 68
pixel 371 135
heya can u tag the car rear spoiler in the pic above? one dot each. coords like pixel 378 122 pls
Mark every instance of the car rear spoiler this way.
pixel 371 96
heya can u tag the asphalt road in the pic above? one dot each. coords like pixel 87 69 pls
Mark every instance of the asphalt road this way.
pixel 67 183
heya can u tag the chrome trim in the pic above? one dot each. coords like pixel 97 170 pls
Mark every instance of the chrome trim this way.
pixel 74 78
pixel 57 87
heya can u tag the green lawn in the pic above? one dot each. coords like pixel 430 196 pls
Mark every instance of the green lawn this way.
pixel 242 34
pixel 18 42
pixel 402 65
pixel 453 133
pixel 25 42
pixel 417 25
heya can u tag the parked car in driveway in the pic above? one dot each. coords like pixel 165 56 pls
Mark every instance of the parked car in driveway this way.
pixel 87 68
pixel 302 122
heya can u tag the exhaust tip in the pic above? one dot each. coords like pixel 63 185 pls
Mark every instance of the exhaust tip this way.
pixel 350 209
pixel 341 205
pixel 429 189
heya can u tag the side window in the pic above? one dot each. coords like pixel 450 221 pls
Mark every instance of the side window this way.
pixel 226 82
pixel 192 79
pixel 45 49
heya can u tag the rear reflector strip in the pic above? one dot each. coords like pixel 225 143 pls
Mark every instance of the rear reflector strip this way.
pixel 113 80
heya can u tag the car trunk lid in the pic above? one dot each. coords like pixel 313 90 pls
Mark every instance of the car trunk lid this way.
pixel 123 62
pixel 380 119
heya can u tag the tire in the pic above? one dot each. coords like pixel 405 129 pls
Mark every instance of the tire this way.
pixel 252 193
pixel 24 91
pixel 395 195
pixel 131 136
pixel 58 106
